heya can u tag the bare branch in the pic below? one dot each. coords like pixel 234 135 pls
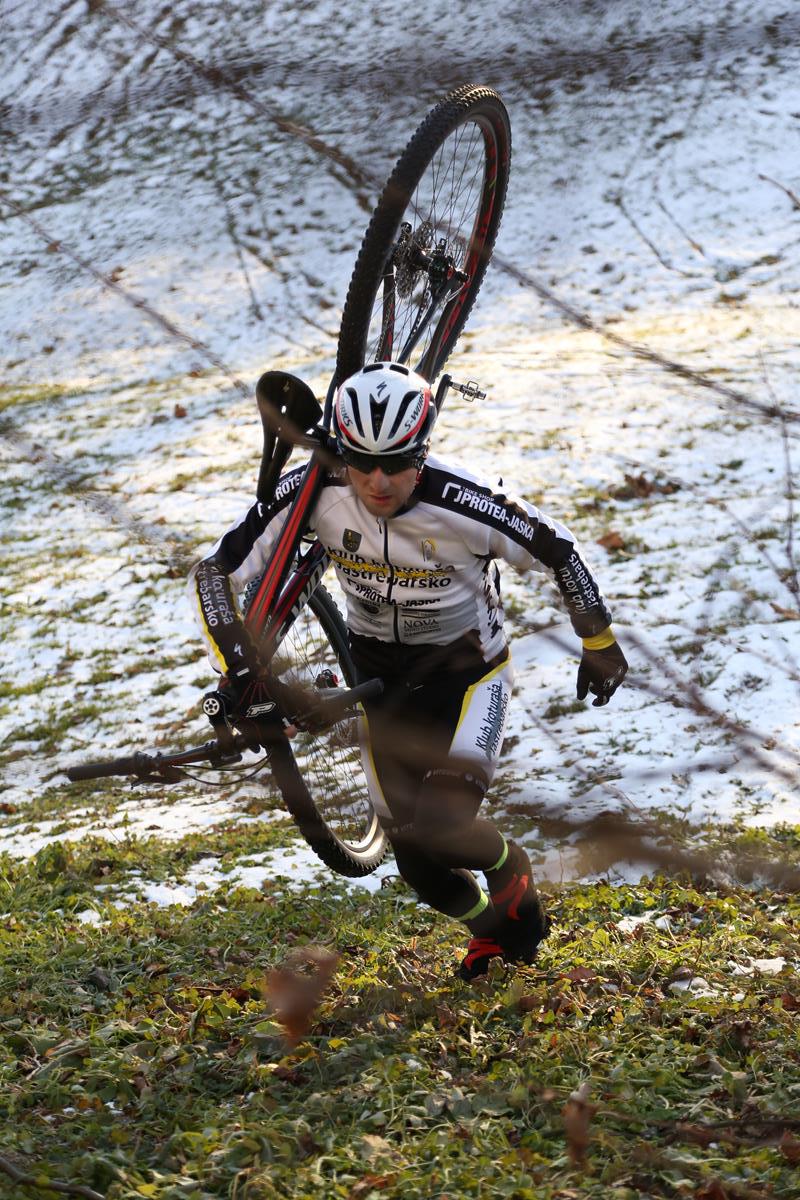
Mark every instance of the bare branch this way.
pixel 793 582
pixel 584 321
pixel 360 180
pixel 289 432
pixel 44 1184
pixel 177 557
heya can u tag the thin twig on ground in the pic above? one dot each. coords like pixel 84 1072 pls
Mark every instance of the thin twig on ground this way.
pixel 362 181
pixel 230 225
pixel 165 548
pixel 793 583
pixel 619 203
pixel 745 531
pixel 693 243
pixel 788 191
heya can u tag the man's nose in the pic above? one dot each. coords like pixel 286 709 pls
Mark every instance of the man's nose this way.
pixel 377 476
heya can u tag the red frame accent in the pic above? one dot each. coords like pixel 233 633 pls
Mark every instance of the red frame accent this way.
pixel 285 549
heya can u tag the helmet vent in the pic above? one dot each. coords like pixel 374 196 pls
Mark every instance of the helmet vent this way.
pixel 356 414
pixel 384 408
pixel 377 408
pixel 403 408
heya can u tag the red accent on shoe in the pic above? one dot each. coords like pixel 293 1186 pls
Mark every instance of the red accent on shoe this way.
pixel 512 893
pixel 481 948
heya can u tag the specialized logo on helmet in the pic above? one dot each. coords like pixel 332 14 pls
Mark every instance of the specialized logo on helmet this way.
pixel 413 414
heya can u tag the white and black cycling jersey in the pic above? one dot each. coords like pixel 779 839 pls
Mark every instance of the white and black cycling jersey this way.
pixel 423 577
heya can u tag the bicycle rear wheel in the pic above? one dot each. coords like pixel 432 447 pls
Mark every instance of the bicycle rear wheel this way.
pixel 428 245
pixel 320 775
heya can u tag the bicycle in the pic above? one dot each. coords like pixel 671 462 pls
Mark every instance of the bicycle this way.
pixel 417 274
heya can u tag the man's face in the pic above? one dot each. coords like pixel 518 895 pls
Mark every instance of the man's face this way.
pixel 383 495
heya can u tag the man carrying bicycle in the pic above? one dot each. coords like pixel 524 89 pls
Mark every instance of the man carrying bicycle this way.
pixel 414 540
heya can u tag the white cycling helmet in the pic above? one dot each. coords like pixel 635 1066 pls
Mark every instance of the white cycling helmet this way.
pixel 384 409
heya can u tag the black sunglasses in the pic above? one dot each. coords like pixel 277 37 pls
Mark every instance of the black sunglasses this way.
pixel 390 464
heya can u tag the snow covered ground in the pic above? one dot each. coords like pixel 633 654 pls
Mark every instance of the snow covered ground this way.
pixel 200 157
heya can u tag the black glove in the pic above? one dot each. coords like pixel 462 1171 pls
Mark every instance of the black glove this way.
pixel 601 672
pixel 253 694
pixel 245 700
pixel 245 694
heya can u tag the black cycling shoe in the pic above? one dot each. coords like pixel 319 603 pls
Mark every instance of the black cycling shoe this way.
pixel 512 942
pixel 519 940
pixel 523 921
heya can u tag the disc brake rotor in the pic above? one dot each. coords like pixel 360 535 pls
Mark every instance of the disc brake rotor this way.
pixel 405 271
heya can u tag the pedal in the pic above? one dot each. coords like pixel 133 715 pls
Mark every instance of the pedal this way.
pixel 470 390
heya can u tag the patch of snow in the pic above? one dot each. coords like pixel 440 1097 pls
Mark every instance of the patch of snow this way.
pixel 764 966
pixel 696 986
pixel 631 923
pixel 645 191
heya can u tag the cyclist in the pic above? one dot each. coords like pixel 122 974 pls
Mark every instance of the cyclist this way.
pixel 413 541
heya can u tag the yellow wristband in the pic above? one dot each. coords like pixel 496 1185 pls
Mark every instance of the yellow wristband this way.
pixel 600 640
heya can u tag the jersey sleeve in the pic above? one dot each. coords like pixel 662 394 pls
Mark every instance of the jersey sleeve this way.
pixel 502 526
pixel 538 539
pixel 237 559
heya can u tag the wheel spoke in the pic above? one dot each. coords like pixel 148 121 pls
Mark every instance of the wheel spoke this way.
pixel 447 202
pixel 329 761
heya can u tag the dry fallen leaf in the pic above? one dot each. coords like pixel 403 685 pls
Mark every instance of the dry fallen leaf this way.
pixel 374 1146
pixel 611 541
pixel 698 1134
pixel 577 1115
pixel 370 1183
pixel 789 1147
pixel 789 614
pixel 293 993
pixel 713 1190
pixel 581 975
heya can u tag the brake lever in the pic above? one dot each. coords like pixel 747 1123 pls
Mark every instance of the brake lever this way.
pixel 167 775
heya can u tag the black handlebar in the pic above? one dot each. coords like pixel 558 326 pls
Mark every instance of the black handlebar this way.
pixel 337 705
pixel 135 764
pixel 166 766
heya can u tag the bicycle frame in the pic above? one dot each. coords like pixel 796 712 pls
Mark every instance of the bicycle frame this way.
pixel 281 593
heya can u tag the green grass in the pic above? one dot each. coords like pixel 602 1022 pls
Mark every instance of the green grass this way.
pixel 139 1058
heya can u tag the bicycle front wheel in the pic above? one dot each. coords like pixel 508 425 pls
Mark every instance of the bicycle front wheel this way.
pixel 427 247
pixel 320 775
